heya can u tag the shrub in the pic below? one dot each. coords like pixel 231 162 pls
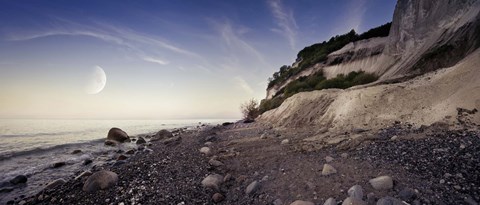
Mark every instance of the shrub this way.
pixel 250 109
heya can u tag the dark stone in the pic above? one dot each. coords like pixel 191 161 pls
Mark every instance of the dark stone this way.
pixel 122 157
pixel 6 189
pixel 100 180
pixel 110 143
pixel 248 121
pixel 87 161
pixel 173 140
pixel 19 180
pixel 407 194
pixel 58 164
pixel 141 140
pixel 162 134
pixel 132 151
pixel 217 197
pixel 76 151
pixel 210 138
pixel 118 135
pixel 227 123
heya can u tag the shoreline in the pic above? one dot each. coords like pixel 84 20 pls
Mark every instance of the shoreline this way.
pixel 172 173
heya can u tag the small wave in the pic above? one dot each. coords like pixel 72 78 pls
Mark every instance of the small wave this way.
pixel 10 155
pixel 42 134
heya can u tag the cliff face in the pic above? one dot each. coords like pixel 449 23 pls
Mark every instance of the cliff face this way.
pixel 422 32
pixel 425 36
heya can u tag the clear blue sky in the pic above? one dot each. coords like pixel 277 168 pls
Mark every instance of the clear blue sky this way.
pixel 163 59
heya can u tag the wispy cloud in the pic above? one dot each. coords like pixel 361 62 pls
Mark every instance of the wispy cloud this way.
pixel 242 84
pixel 285 20
pixel 235 43
pixel 155 60
pixel 134 41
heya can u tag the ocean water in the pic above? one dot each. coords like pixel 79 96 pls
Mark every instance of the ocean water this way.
pixel 30 147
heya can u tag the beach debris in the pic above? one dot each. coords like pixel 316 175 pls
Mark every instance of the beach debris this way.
pixel 20 179
pixel 100 180
pixel 213 181
pixel 118 135
pixel 382 183
pixel 252 187
pixel 328 170
pixel 300 202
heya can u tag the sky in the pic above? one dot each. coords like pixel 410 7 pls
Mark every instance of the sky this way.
pixel 175 59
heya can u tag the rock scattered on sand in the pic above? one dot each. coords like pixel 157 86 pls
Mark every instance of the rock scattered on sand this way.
pixel 277 202
pixel 344 155
pixel 208 143
pixel 227 178
pixel 285 141
pixel 328 159
pixel 122 157
pixel 330 201
pixel 87 161
pixel 58 164
pixel 356 192
pixel 132 151
pixel 215 163
pixel 394 137
pixel 382 183
pixel 110 143
pixel 328 170
pixel 83 174
pixel 300 202
pixel 217 197
pixel 210 138
pixel 213 181
pixel 162 134
pixel 76 151
pixel 407 194
pixel 389 201
pixel 206 150
pixel 263 136
pixel 172 140
pixel 353 201
pixel 55 183
pixel 100 180
pixel 141 140
pixel 116 134
pixel 20 179
pixel 252 187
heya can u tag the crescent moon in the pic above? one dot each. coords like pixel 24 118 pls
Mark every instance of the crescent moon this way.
pixel 97 81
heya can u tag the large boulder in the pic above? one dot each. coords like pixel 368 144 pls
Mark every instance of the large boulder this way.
pixel 100 180
pixel 382 183
pixel 20 179
pixel 116 134
pixel 162 134
pixel 213 181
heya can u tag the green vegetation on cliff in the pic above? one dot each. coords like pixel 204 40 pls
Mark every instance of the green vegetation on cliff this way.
pixel 315 53
pixel 317 82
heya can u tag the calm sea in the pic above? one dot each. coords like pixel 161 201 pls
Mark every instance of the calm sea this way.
pixel 29 147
